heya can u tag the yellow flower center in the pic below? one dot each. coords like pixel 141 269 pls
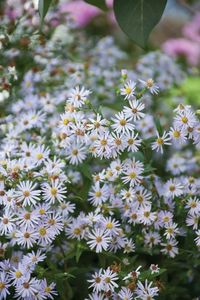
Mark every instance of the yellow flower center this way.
pixel 169 247
pixel 27 216
pixel 2 285
pixel 128 90
pixel 107 280
pixel 98 193
pixel 146 214
pixel 26 193
pixel 54 191
pixel 39 156
pixel 103 142
pixel 98 239
pixel 74 151
pixel 65 121
pixel 47 289
pixel 42 231
pixel 96 124
pixel 172 188
pixel 150 83
pixel 18 274
pixel 42 211
pixel 184 120
pixel 176 134
pixel 160 141
pixel 97 279
pixel 132 175
pixel 166 219
pixel 109 225
pixel 77 231
pixel 122 122
pixel 193 204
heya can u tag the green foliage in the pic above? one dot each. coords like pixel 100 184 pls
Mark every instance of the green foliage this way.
pixel 43 8
pixel 137 18
pixel 98 3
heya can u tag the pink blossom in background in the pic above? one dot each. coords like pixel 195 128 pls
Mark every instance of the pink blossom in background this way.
pixel 109 3
pixel 14 9
pixel 84 13
pixel 183 47
pixel 81 12
pixel 192 29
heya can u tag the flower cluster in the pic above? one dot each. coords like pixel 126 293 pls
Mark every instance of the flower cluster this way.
pixel 96 184
pixel 105 283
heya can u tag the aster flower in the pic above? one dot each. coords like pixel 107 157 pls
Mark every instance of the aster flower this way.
pixel 161 141
pixel 18 274
pixel 26 238
pixel 150 85
pixel 178 135
pixel 146 291
pixel 109 279
pixel 76 153
pixel 97 281
pixel 7 224
pixel 128 90
pixel 132 173
pixel 54 191
pixel 45 235
pixel 28 219
pixel 125 293
pixel 27 289
pixel 197 239
pixel 171 230
pixel 98 239
pixel 78 96
pixel 48 289
pixel 173 188
pixel 97 124
pixel 134 112
pixel 122 124
pixel 170 248
pixel 4 285
pixel 98 194
pixel 104 145
pixel 40 154
pixel 154 268
pixel 27 194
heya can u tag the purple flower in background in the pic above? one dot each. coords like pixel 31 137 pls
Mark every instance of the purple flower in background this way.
pixel 183 47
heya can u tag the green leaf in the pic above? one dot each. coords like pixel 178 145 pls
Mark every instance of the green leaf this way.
pixel 98 3
pixel 80 249
pixel 85 170
pixel 137 18
pixel 148 275
pixel 158 125
pixel 43 8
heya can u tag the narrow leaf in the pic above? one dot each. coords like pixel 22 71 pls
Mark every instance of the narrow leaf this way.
pixel 137 18
pixel 43 8
pixel 98 3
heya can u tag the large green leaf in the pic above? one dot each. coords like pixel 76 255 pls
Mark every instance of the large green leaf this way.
pixel 98 3
pixel 43 8
pixel 137 18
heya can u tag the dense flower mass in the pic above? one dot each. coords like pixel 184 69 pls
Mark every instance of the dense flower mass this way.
pixel 99 187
